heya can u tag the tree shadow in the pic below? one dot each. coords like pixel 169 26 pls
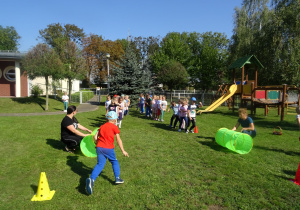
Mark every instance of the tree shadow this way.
pixel 31 100
pixel 98 121
pixel 291 153
pixel 162 126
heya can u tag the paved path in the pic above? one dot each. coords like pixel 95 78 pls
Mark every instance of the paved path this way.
pixel 88 107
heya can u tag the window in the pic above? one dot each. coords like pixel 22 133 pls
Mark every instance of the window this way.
pixel 9 73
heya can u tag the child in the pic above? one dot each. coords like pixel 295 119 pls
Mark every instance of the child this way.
pixel 175 116
pixel 65 99
pixel 183 114
pixel 246 122
pixel 128 104
pixel 298 116
pixel 142 103
pixel 192 114
pixel 121 111
pixel 148 104
pixel 154 107
pixel 105 150
pixel 114 106
pixel 107 102
pixel 158 111
pixel 163 107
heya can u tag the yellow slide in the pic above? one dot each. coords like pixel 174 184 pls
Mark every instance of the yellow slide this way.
pixel 221 100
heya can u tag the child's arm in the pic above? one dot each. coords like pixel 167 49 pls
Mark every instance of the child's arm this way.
pixel 251 128
pixel 120 143
pixel 200 104
pixel 236 126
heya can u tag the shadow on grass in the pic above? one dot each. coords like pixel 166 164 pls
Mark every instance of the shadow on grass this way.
pixel 83 171
pixel 31 100
pixel 97 122
pixel 162 126
pixel 291 153
pixel 213 145
pixel 34 188
pixel 56 144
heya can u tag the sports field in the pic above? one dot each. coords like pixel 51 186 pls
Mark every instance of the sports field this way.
pixel 166 169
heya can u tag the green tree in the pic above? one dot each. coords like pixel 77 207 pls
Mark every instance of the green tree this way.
pixel 42 61
pixel 129 77
pixel 9 38
pixel 173 75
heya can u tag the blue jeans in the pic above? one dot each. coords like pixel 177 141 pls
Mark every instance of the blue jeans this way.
pixel 250 133
pixel 148 111
pixel 66 105
pixel 102 155
pixel 186 122
pixel 142 108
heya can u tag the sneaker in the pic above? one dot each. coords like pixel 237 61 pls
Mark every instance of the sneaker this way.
pixel 89 183
pixel 119 180
pixel 191 131
pixel 170 126
pixel 179 130
pixel 186 131
pixel 162 120
pixel 69 150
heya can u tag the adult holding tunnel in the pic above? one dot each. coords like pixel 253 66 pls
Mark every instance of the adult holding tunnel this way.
pixel 69 133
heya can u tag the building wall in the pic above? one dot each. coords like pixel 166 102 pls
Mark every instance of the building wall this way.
pixel 7 88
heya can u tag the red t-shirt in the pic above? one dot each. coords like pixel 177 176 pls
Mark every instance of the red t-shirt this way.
pixel 106 135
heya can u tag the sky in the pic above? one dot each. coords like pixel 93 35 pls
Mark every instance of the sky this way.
pixel 117 18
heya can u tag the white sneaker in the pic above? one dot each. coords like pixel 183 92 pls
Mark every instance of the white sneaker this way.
pixel 191 131
pixel 65 110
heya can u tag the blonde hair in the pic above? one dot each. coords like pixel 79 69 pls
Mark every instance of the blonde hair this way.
pixel 243 111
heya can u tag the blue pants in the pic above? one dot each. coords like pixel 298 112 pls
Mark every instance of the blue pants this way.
pixel 250 133
pixel 66 105
pixel 142 108
pixel 148 111
pixel 186 122
pixel 102 155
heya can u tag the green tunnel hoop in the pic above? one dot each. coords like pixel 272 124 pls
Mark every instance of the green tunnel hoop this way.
pixel 87 145
pixel 235 141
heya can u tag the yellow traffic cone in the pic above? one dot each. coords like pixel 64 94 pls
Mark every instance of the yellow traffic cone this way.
pixel 43 191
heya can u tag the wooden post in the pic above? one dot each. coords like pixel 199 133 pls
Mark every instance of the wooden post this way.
pixel 242 81
pixel 255 77
pixel 252 98
pixel 246 68
pixel 283 101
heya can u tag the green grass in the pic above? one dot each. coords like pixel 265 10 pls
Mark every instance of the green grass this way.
pixel 165 170
pixel 30 105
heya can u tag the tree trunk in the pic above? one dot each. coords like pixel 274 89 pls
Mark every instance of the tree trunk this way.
pixel 47 83
pixel 70 88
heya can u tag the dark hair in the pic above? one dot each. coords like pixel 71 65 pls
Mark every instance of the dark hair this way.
pixel 71 109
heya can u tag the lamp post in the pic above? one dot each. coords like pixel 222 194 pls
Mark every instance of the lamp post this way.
pixel 107 60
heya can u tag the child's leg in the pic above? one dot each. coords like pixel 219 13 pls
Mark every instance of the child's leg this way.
pixel 193 123
pixel 176 120
pixel 186 123
pixel 171 121
pixel 162 115
pixel 111 156
pixel 101 160
pixel 180 122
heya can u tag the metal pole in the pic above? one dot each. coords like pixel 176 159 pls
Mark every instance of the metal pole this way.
pixel 108 75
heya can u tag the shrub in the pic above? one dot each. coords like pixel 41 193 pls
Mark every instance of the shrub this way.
pixel 36 91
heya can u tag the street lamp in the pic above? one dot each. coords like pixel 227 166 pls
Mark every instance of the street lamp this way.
pixel 107 60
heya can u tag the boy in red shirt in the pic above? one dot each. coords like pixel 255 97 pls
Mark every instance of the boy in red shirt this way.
pixel 105 150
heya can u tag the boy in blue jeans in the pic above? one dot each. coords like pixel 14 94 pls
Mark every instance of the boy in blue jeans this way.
pixel 105 150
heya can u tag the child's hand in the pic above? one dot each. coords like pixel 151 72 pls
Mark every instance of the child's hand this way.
pixel 125 154
pixel 234 128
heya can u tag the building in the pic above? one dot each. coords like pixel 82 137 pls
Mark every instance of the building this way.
pixel 14 83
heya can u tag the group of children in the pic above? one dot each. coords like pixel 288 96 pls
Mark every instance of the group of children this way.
pixel 183 113
pixel 118 104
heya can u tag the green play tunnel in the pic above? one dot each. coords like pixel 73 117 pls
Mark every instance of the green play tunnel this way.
pixel 236 141
pixel 87 145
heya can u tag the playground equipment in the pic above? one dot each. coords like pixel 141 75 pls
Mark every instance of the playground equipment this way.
pixel 87 145
pixel 259 96
pixel 221 100
pixel 236 141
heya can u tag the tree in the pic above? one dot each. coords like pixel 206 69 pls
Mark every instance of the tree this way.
pixel 174 75
pixel 129 78
pixel 95 49
pixel 75 64
pixel 42 61
pixel 9 38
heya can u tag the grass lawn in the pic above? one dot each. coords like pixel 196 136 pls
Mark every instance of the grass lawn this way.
pixel 166 169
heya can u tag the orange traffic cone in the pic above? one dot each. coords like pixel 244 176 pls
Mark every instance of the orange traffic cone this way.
pixel 196 130
pixel 297 178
